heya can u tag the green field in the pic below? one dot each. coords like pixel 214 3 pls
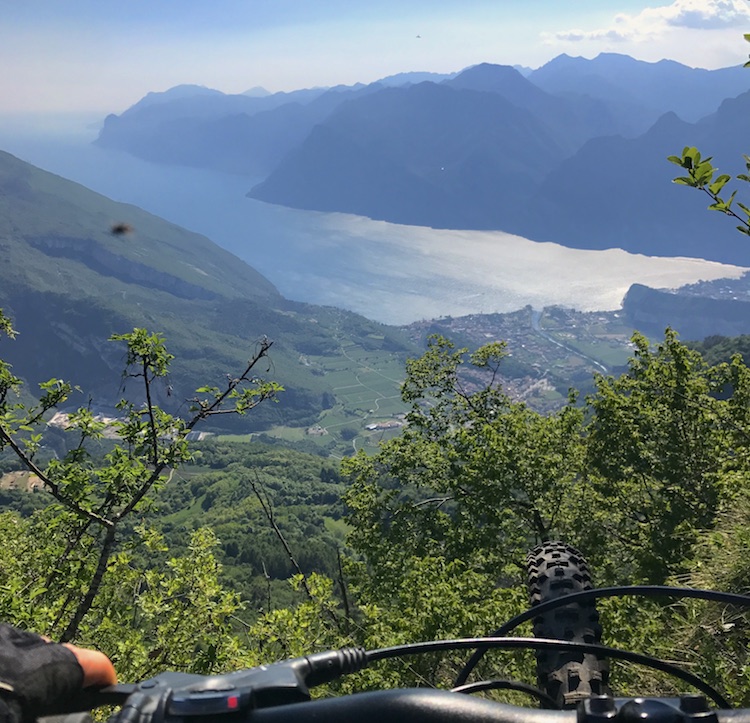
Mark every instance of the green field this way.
pixel 366 385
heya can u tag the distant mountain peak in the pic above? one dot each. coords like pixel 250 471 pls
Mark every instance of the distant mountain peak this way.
pixel 257 92
pixel 177 92
pixel 524 70
pixel 602 59
pixel 484 68
pixel 414 77
pixel 492 78
pixel 185 90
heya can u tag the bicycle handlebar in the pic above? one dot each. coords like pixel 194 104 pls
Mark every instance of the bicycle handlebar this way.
pixel 279 693
pixel 437 706
pixel 404 705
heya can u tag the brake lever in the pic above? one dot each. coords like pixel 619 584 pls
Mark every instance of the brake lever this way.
pixel 171 697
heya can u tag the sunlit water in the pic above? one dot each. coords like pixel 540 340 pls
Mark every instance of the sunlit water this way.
pixel 387 272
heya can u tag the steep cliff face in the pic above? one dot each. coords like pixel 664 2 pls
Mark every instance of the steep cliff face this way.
pixel 693 317
pixel 103 261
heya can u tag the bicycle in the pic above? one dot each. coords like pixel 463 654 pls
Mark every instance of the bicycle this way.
pixel 572 671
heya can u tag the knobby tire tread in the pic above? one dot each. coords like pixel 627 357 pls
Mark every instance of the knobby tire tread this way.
pixel 556 569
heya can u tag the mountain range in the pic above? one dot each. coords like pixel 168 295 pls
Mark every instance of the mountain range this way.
pixel 573 152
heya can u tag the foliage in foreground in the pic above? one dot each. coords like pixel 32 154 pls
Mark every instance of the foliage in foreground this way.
pixel 70 575
pixel 644 478
pixel 634 479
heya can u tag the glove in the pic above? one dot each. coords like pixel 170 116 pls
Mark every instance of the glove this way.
pixel 35 676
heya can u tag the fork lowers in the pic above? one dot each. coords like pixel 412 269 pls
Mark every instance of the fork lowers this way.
pixel 555 570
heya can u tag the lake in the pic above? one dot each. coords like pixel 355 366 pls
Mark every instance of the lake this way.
pixel 387 272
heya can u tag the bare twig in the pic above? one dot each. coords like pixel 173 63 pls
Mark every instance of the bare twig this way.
pixel 267 508
pixel 342 585
pixel 151 420
pixel 437 501
pixel 207 410
pixel 267 578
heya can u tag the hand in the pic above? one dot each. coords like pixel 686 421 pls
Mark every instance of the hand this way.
pixel 97 667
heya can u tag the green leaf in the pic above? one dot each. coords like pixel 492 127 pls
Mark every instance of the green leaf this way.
pixel 704 172
pixel 718 184
pixel 6 326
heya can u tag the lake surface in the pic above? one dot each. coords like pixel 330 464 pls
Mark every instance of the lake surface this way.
pixel 390 273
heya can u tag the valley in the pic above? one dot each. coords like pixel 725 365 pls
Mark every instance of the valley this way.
pixel 472 287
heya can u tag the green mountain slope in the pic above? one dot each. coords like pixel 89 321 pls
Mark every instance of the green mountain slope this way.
pixel 68 282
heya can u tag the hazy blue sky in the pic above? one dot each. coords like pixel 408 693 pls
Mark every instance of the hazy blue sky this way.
pixel 100 55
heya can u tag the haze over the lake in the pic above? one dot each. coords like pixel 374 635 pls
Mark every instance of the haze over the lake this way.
pixel 387 272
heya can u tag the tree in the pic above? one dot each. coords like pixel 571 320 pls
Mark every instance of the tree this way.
pixel 633 479
pixel 442 516
pixel 661 443
pixel 472 470
pixel 97 500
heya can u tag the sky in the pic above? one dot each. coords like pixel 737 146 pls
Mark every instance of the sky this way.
pixel 101 56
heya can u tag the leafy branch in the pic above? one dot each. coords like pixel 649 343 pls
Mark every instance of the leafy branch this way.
pixel 701 175
pixel 244 398
pixel 151 442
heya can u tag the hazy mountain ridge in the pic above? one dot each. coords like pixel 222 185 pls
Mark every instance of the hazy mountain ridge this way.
pixel 478 160
pixel 623 196
pixel 572 120
pixel 233 133
pixel 548 156
pixel 655 88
